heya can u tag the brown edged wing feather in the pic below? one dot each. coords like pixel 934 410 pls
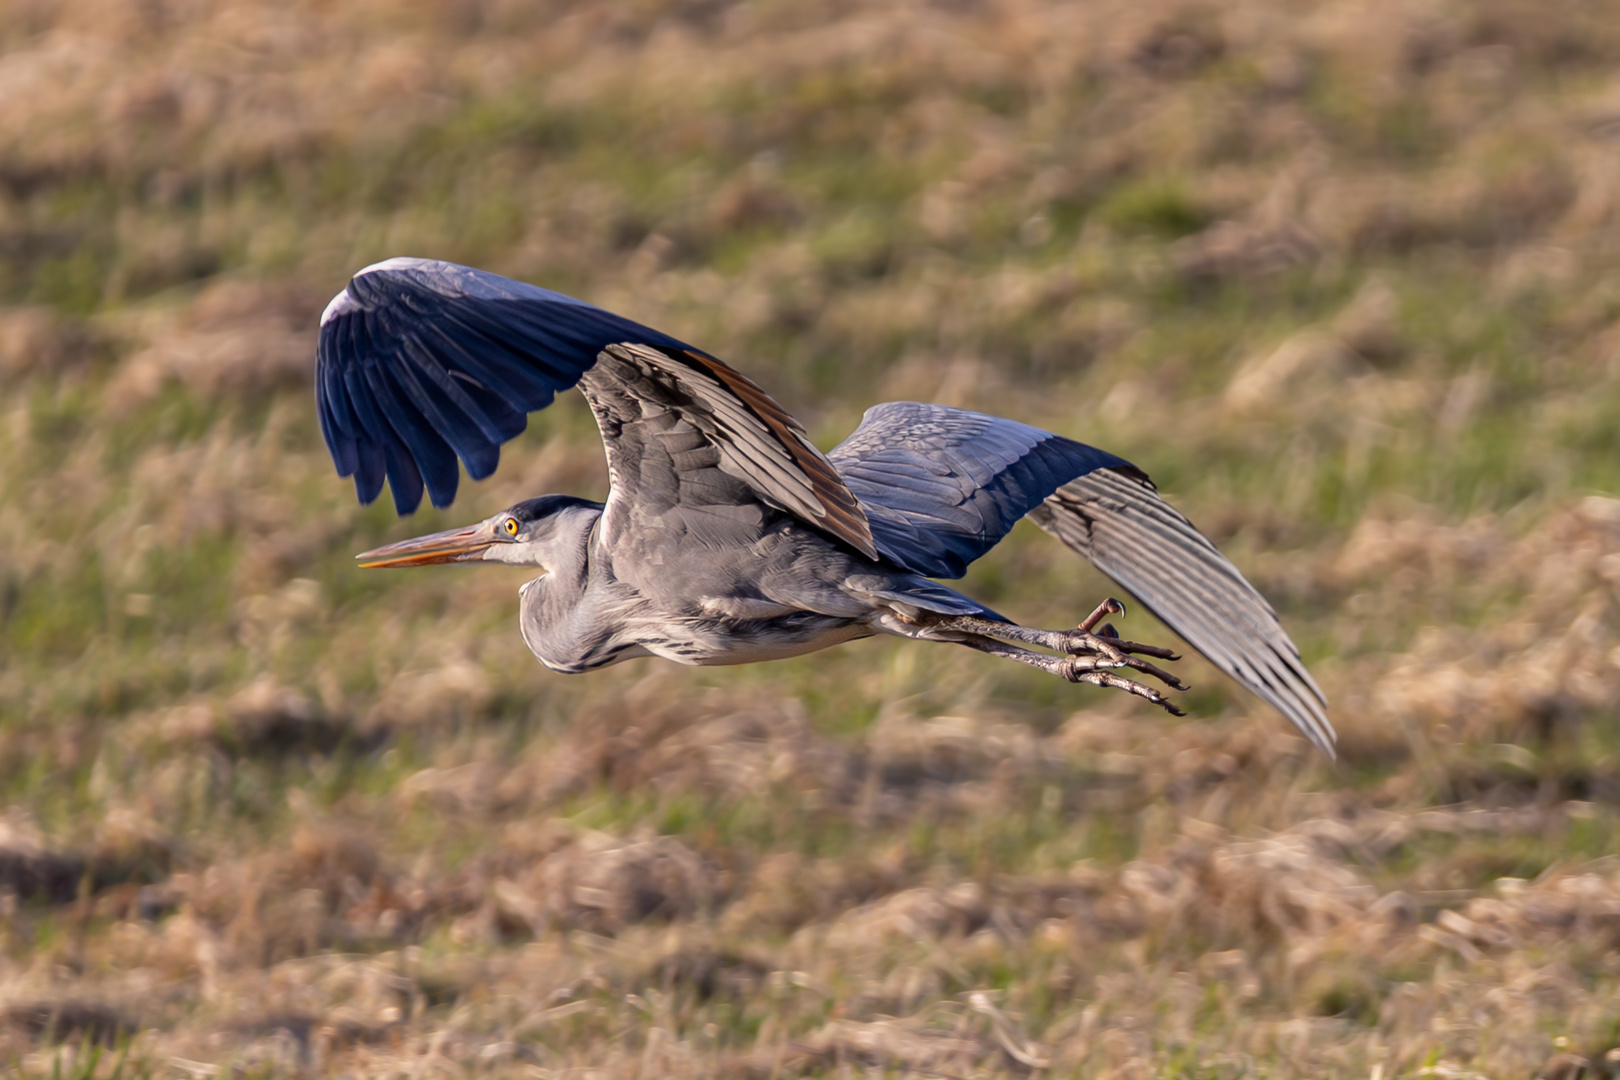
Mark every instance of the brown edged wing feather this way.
pixel 844 516
pixel 669 415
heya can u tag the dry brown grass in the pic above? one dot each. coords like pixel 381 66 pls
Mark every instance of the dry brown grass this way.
pixel 1342 276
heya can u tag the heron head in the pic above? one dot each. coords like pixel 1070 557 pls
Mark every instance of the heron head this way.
pixel 521 535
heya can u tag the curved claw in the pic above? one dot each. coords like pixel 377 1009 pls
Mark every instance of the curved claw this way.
pixel 1109 606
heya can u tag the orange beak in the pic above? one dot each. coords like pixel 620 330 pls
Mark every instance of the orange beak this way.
pixel 455 545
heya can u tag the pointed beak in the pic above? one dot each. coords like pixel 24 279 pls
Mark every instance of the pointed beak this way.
pixel 454 545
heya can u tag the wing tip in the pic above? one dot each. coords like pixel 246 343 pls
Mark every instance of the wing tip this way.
pixel 1326 740
pixel 404 503
pixel 1308 714
pixel 441 497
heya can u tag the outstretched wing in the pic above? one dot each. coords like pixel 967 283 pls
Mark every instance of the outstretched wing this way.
pixel 1119 522
pixel 942 486
pixel 421 362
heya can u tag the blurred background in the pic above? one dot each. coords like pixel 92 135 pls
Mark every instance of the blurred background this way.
pixel 1341 276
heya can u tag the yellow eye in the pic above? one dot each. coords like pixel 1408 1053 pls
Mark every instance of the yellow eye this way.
pixel 511 526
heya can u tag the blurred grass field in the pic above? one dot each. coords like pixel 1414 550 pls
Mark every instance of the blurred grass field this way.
pixel 1343 277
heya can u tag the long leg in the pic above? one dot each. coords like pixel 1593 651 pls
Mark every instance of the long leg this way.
pixel 1079 640
pixel 1094 670
pixel 1076 669
pixel 1077 643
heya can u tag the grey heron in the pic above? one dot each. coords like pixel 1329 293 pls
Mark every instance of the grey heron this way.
pixel 727 537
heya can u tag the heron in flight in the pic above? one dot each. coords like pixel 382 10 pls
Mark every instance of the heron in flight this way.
pixel 727 537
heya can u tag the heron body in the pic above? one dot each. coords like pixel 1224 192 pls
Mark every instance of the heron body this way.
pixel 727 536
pixel 596 606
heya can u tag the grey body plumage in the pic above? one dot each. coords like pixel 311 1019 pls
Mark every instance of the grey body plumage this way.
pixel 727 537
pixel 597 605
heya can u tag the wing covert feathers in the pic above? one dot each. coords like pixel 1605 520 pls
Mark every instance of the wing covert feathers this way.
pixel 840 512
pixel 757 441
pixel 1122 526
pixel 941 486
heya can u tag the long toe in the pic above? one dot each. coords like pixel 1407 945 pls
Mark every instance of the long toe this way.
pixel 1078 673
pixel 1155 651
pixel 1157 672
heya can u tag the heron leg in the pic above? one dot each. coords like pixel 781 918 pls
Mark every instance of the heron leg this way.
pixel 1076 669
pixel 1103 650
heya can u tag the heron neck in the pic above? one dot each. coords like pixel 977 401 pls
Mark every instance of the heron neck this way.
pixel 557 612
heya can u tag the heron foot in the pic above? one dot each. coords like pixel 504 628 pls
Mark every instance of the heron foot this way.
pixel 1106 649
pixel 1075 671
pixel 1089 637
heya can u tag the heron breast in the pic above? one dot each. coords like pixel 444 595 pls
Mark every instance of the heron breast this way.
pixel 720 642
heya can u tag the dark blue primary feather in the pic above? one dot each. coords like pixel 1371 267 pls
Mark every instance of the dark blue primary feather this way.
pixel 942 486
pixel 422 362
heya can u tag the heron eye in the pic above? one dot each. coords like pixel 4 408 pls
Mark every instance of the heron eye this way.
pixel 511 526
